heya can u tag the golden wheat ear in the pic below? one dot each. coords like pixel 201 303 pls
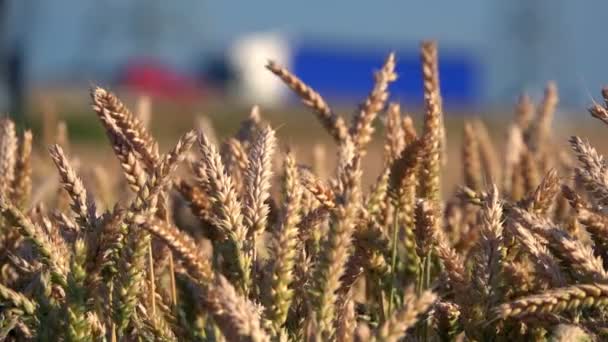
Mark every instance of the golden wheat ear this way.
pixel 545 262
pixel 361 129
pixel 113 113
pixel 524 112
pixel 131 264
pixel 537 134
pixel 18 300
pixel 8 155
pixel 250 127
pixel 82 204
pixel 471 159
pixel 591 174
pixel 570 250
pixel 235 315
pixel 594 222
pixel 492 170
pixel 48 253
pixel 394 140
pixel 599 112
pixel 406 316
pixel 402 198
pixel 321 192
pixel 553 302
pixel 227 212
pixel 284 250
pixel 22 184
pixel 78 325
pixel 492 252
pixel 336 247
pixel 183 245
pixel 259 178
pixel 332 122
pixel 430 177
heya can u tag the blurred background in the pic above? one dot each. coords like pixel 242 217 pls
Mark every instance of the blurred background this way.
pixel 195 57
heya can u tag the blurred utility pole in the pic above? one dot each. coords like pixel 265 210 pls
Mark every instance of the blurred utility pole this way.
pixel 535 43
pixel 13 32
pixel 148 27
pixel 527 29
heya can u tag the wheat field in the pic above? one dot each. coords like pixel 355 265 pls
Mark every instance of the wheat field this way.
pixel 236 240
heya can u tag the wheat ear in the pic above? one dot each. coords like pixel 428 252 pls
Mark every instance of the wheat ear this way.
pixel 8 155
pixel 489 156
pixel 538 132
pixel 336 250
pixel 489 259
pixel 396 326
pixel 22 185
pixel 524 112
pixel 227 210
pixel 394 137
pixel 17 300
pixel 49 254
pixel 362 129
pixel 430 186
pixel 112 111
pixel 78 326
pixel 183 246
pixel 332 122
pixel 569 249
pixel 555 301
pixel 284 249
pixel 471 161
pixel 259 177
pixel 81 204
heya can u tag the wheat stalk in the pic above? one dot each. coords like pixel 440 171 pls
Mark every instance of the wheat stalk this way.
pixel 554 301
